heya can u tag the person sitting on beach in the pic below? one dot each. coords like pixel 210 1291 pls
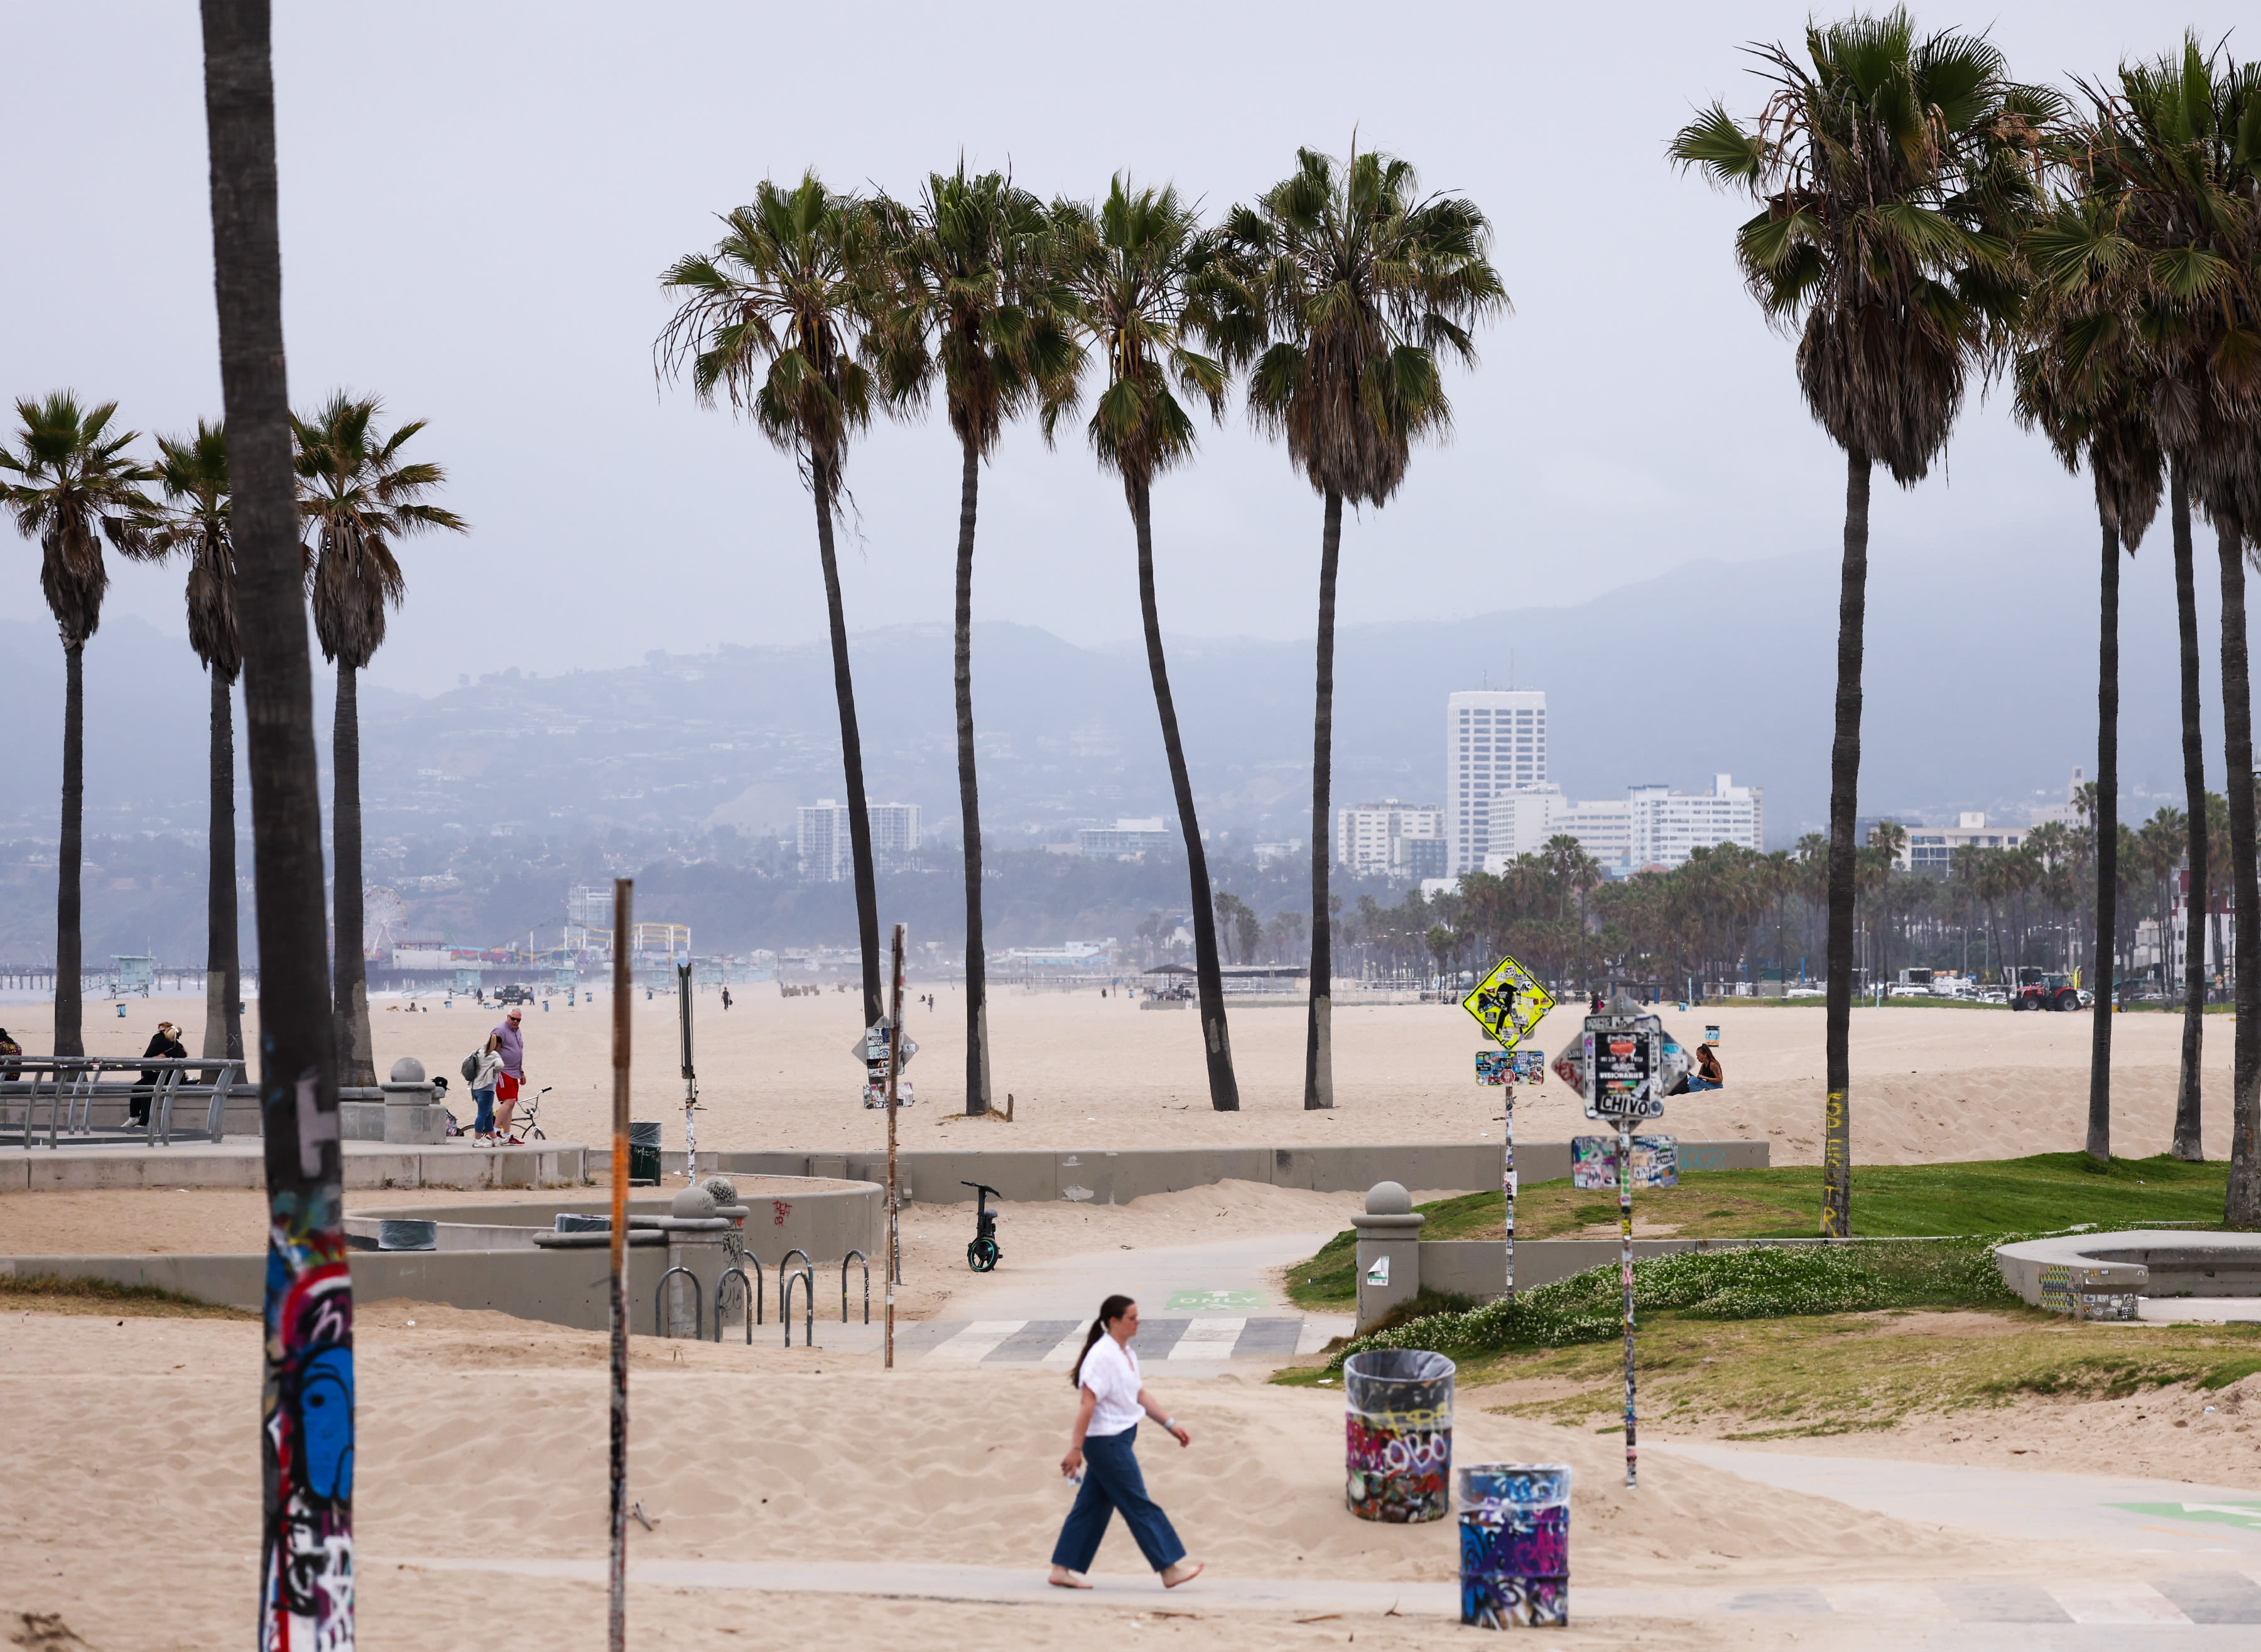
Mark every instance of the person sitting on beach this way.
pixel 1708 1074
pixel 1112 1399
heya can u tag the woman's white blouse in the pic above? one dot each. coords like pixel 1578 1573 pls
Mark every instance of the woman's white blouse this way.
pixel 1111 1371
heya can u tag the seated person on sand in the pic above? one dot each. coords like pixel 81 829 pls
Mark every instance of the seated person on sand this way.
pixel 1708 1074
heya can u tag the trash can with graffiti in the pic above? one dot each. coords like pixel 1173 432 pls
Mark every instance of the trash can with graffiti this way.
pixel 1515 1545
pixel 1400 1432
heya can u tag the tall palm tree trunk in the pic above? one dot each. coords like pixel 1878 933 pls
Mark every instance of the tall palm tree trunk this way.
pixel 2108 850
pixel 349 970
pixel 852 748
pixel 223 954
pixel 1216 1043
pixel 70 1038
pixel 1844 786
pixel 969 800
pixel 1318 1041
pixel 2188 1143
pixel 306 1428
pixel 2241 1206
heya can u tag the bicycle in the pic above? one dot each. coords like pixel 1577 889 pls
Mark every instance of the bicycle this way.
pixel 529 1129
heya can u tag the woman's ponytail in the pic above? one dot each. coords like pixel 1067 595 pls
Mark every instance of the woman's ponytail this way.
pixel 1110 1311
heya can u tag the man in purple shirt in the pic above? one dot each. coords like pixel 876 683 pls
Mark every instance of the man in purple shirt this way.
pixel 505 1042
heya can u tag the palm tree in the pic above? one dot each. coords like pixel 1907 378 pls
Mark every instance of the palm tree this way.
pixel 971 298
pixel 193 472
pixel 772 317
pixel 2173 156
pixel 2081 384
pixel 306 1562
pixel 70 484
pixel 357 496
pixel 1878 164
pixel 1348 285
pixel 1138 269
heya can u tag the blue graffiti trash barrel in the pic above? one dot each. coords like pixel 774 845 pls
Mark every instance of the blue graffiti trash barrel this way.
pixel 1398 1429
pixel 407 1235
pixel 1515 1545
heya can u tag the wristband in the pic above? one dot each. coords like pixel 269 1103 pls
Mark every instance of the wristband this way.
pixel 1170 1424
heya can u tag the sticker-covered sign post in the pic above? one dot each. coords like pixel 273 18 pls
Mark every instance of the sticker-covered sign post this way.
pixel 1509 1004
pixel 1624 1077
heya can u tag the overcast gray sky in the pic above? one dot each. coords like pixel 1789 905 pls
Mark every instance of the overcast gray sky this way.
pixel 478 199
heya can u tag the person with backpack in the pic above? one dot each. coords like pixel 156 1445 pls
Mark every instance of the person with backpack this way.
pixel 481 1068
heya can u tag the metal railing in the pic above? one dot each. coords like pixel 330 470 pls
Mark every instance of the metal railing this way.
pixel 698 1305
pixel 745 1289
pixel 859 1256
pixel 807 1275
pixel 70 1086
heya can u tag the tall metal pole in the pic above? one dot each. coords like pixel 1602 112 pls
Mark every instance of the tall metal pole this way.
pixel 690 1078
pixel 1624 1274
pixel 617 1629
pixel 894 1198
pixel 1507 1187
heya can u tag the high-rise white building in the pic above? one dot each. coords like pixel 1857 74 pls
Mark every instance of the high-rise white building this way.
pixel 1603 829
pixel 1495 741
pixel 826 850
pixel 1667 824
pixel 1391 839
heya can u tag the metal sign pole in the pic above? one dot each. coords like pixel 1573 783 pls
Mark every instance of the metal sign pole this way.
pixel 894 1196
pixel 1507 1187
pixel 1625 1274
pixel 623 895
pixel 690 1076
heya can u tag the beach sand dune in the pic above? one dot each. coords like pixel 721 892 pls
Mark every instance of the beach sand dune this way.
pixel 1084 1072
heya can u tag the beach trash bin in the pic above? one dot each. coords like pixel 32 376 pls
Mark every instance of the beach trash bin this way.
pixel 643 1152
pixel 407 1235
pixel 1515 1545
pixel 1398 1430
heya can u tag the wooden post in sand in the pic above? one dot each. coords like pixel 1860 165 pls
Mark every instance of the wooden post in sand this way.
pixel 617 1626
pixel 895 1200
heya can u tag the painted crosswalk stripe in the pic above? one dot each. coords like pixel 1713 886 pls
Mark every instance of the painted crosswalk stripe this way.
pixel 2116 1603
pixel 1209 1338
pixel 973 1344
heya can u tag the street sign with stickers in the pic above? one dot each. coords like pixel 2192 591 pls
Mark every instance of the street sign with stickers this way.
pixel 870 1049
pixel 1508 1004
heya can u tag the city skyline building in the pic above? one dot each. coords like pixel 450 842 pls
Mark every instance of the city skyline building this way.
pixel 827 849
pixel 1391 837
pixel 1495 741
pixel 1668 825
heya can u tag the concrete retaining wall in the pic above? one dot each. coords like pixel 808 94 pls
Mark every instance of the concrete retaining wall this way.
pixel 2142 1263
pixel 239 1165
pixel 1475 1268
pixel 1027 1174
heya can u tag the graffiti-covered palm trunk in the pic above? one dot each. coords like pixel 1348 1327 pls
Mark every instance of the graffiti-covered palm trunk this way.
pixel 2242 1204
pixel 969 800
pixel 1217 1042
pixel 223 953
pixel 1318 1038
pixel 348 968
pixel 307 1426
pixel 70 1039
pixel 2103 963
pixel 851 745
pixel 1844 790
pixel 2189 1142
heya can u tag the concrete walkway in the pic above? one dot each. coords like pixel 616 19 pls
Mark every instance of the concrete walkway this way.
pixel 2218 1608
pixel 2167 1518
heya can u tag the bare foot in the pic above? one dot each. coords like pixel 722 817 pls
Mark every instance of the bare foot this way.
pixel 1184 1572
pixel 1063 1578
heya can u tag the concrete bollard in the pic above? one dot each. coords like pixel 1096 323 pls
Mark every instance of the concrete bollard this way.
pixel 1398 1435
pixel 1389 1253
pixel 1515 1545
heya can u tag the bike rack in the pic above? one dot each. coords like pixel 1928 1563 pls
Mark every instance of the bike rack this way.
pixel 859 1256
pixel 807 1278
pixel 721 1285
pixel 698 1303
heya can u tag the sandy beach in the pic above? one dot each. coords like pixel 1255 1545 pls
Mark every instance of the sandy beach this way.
pixel 1084 1072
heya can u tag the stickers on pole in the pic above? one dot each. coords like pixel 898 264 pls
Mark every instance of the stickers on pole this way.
pixel 1625 1064
pixel 1594 1162
pixel 1510 1067
pixel 1508 1004
pixel 870 1049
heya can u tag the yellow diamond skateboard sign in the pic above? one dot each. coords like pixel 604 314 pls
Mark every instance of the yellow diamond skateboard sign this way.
pixel 1508 1003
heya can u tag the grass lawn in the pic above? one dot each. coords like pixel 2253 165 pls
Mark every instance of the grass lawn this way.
pixel 1991 1196
pixel 1841 1373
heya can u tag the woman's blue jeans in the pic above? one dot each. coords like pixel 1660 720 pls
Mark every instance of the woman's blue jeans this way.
pixel 1111 1481
pixel 485 1099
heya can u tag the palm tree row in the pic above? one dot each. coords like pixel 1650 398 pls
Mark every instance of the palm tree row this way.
pixel 1924 218
pixel 1336 293
pixel 70 481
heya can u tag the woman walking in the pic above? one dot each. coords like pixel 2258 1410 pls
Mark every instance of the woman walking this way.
pixel 1111 1401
